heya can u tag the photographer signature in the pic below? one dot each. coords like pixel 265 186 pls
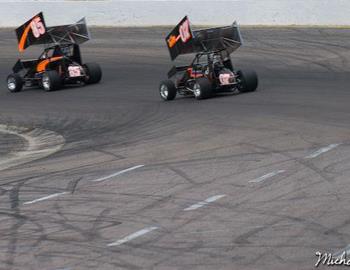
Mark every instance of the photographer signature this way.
pixel 332 260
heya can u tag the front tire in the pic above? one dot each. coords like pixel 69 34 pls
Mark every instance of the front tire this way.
pixel 93 73
pixel 249 80
pixel 167 90
pixel 14 83
pixel 51 81
pixel 202 88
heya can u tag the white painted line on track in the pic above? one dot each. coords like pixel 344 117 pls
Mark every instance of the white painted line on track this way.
pixel 203 203
pixel 132 236
pixel 117 173
pixel 266 176
pixel 322 150
pixel 46 198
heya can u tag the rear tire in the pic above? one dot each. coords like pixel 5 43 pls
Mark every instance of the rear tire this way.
pixel 249 80
pixel 93 73
pixel 167 90
pixel 203 88
pixel 14 83
pixel 51 81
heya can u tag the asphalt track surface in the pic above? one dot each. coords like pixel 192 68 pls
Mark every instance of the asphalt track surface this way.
pixel 248 181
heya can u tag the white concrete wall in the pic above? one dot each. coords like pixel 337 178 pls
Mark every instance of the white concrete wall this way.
pixel 161 12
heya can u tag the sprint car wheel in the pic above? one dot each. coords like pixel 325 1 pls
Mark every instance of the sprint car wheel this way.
pixel 167 90
pixel 93 73
pixel 202 88
pixel 51 81
pixel 14 83
pixel 249 80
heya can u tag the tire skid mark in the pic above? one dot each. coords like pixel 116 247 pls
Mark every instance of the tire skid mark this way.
pixel 99 222
pixel 17 222
pixel 304 163
pixel 40 143
pixel 171 251
pixel 48 175
pixel 73 184
pixel 143 250
pixel 182 174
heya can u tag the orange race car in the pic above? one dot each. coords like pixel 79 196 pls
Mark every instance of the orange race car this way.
pixel 59 64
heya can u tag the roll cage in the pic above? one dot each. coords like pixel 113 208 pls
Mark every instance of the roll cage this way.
pixel 208 65
pixel 68 51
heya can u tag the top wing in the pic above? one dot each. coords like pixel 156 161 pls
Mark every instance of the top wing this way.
pixel 76 33
pixel 180 39
pixel 217 39
pixel 33 31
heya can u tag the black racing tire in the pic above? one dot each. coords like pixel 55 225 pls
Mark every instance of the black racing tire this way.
pixel 93 73
pixel 248 80
pixel 167 90
pixel 51 81
pixel 203 88
pixel 14 83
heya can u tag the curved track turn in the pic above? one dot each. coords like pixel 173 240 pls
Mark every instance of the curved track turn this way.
pixel 250 181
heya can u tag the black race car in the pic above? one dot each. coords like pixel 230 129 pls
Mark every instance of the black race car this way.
pixel 59 64
pixel 212 70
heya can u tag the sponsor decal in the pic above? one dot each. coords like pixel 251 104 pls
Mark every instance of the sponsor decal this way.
pixel 38 28
pixel 225 78
pixel 74 71
pixel 184 34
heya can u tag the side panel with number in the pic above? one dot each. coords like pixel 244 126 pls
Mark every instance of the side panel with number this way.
pixel 180 41
pixel 31 32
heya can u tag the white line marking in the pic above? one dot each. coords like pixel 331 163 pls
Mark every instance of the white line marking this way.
pixel 46 198
pixel 203 203
pixel 132 236
pixel 266 176
pixel 117 173
pixel 323 150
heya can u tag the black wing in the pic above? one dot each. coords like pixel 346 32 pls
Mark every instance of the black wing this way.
pixel 217 39
pixel 76 33
pixel 33 31
pixel 180 39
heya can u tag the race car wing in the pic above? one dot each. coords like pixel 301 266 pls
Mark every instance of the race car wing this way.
pixel 180 39
pixel 76 33
pixel 217 39
pixel 33 31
